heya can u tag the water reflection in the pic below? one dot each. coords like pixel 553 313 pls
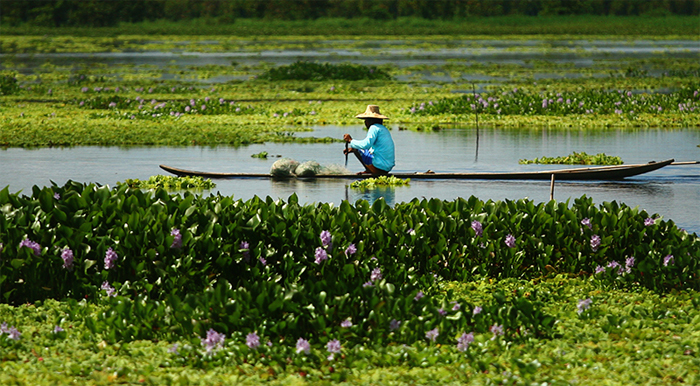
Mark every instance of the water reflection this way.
pixel 670 191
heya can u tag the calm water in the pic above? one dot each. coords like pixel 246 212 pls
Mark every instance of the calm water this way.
pixel 673 192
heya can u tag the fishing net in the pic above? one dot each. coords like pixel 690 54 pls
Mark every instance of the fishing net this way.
pixel 284 167
pixel 308 169
pixel 335 169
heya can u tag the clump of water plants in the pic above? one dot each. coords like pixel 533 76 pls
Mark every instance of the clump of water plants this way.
pixel 8 85
pixel 372 182
pixel 262 154
pixel 301 70
pixel 575 158
pixel 171 183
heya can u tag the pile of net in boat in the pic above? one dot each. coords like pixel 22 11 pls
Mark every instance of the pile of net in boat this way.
pixel 287 167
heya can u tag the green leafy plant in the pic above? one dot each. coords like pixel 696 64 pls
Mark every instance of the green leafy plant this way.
pixel 170 183
pixel 372 182
pixel 262 154
pixel 324 71
pixel 575 158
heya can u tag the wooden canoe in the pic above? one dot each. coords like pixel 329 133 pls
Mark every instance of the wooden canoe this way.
pixel 616 172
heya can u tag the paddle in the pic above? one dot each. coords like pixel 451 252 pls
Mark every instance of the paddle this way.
pixel 346 154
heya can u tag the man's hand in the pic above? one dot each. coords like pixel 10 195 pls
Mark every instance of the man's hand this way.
pixel 347 138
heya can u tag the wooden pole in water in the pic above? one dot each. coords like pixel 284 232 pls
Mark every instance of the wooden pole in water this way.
pixel 551 188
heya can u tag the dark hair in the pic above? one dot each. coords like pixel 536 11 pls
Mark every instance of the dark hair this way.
pixel 372 121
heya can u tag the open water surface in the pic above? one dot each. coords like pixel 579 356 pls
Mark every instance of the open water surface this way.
pixel 673 192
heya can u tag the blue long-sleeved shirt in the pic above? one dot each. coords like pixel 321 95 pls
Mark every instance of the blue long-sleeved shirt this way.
pixel 380 143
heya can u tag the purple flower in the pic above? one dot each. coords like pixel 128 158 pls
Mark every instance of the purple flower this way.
pixel 464 341
pixel 187 109
pixel 333 346
pixel 109 289
pixel 177 239
pixel 245 250
pixel 34 246
pixel 595 242
pixel 455 306
pixel 376 275
pixel 442 312
pixel 432 334
pixel 262 261
pixel 13 334
pixel 497 330
pixel 321 255
pixel 477 228
pixel 4 329
pixel 419 296
pixel 213 341
pixel 56 196
pixel 394 325
pixel 510 241
pixel 350 250
pixel 110 258
pixel 57 329
pixel 583 305
pixel 669 260
pixel 367 284
pixel 629 263
pixel 303 345
pixel 252 340
pixel 346 323
pixel 2 246
pixel 649 221
pixel 67 256
pixel 587 222
pixel 173 349
pixel 599 269
pixel 325 238
pixel 477 310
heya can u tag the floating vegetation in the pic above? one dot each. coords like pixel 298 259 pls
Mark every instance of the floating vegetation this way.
pixel 8 85
pixel 325 71
pixel 588 101
pixel 262 154
pixel 372 182
pixel 576 159
pixel 171 183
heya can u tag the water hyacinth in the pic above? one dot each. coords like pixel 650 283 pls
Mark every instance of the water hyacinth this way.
pixel 583 305
pixel 432 334
pixel 56 196
pixel 333 348
pixel 67 256
pixel 173 349
pixel 325 239
pixel 629 263
pixel 419 296
pixel 477 228
pixel 58 329
pixel 477 310
pixel 346 323
pixel 376 275
pixel 213 341
pixel 303 346
pixel 464 341
pixel 350 250
pixel 110 258
pixel 394 325
pixel 510 241
pixel 177 239
pixel 496 330
pixel 649 221
pixel 109 289
pixel 34 246
pixel 245 250
pixel 252 340
pixel 587 223
pixel 595 242
pixel 320 255
pixel 669 260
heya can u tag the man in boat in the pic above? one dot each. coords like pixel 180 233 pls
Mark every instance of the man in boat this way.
pixel 376 151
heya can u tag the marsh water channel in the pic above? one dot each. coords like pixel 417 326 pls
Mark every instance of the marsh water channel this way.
pixel 673 192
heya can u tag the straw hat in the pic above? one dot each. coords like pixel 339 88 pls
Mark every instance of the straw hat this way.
pixel 371 112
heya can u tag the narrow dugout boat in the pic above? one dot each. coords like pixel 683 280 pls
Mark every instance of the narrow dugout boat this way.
pixel 616 172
